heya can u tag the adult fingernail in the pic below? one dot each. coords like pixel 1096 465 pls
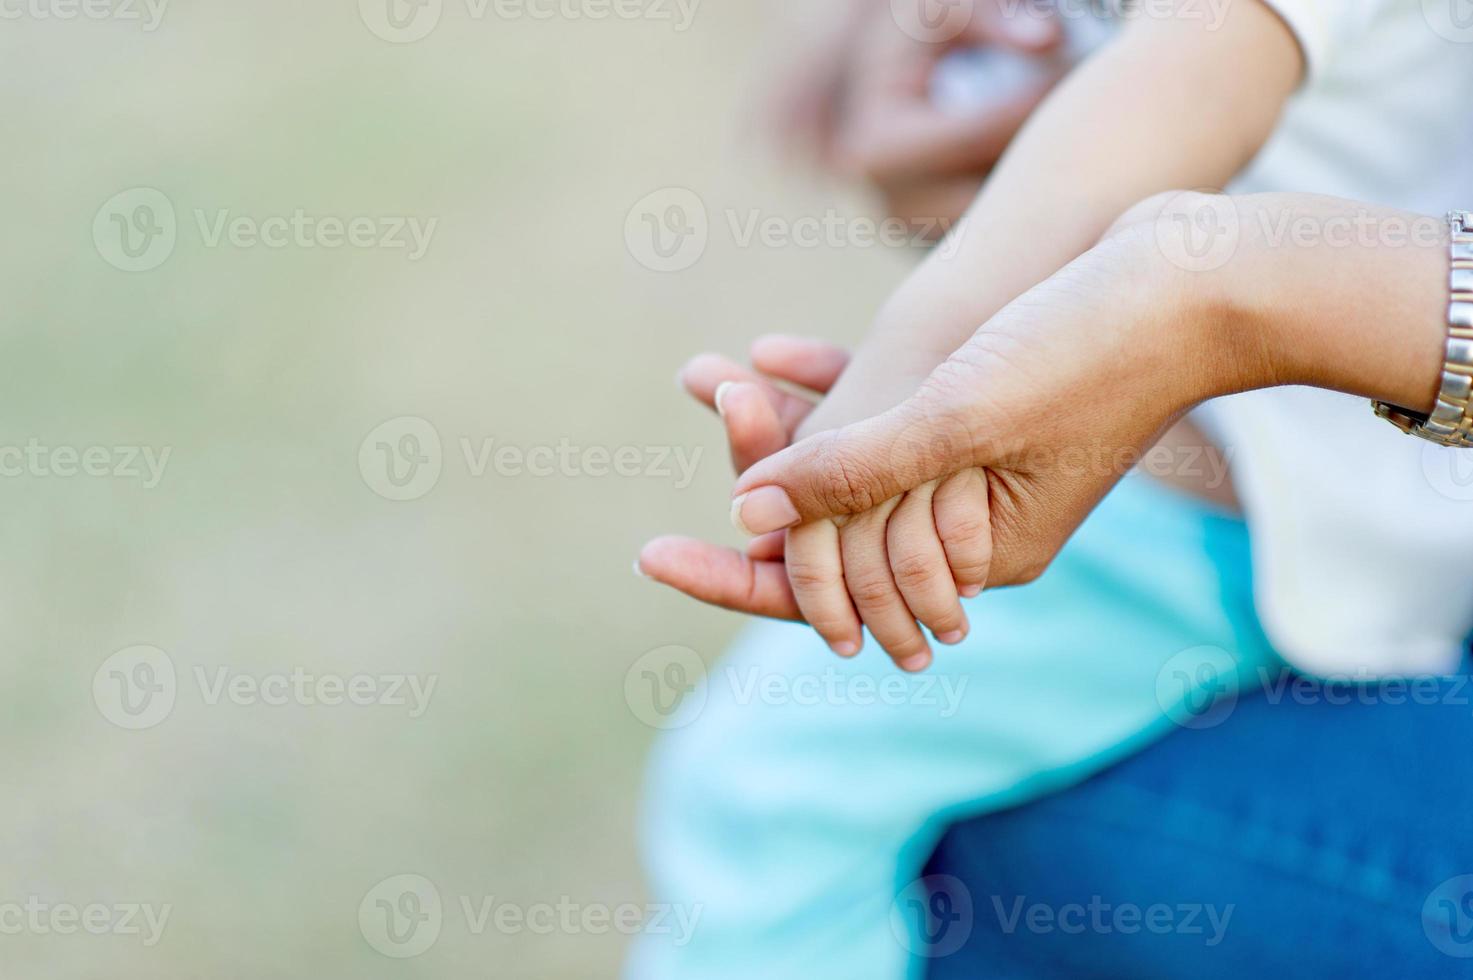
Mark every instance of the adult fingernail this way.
pixel 845 648
pixel 763 510
pixel 916 662
pixel 971 591
pixel 721 391
pixel 953 638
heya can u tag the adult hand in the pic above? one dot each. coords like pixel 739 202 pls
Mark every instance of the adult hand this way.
pixel 860 100
pixel 1058 396
pixel 760 419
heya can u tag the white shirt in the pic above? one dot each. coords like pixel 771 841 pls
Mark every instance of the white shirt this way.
pixel 1362 537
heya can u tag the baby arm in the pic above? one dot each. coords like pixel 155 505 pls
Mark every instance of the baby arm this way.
pixel 1168 104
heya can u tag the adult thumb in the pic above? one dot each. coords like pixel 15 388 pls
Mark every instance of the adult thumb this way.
pixel 855 468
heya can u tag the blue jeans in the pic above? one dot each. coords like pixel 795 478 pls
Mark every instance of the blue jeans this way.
pixel 1315 830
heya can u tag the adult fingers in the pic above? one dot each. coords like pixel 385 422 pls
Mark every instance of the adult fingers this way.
pixel 704 373
pixel 720 576
pixel 753 429
pixel 769 547
pixel 918 563
pixel 813 364
pixel 857 467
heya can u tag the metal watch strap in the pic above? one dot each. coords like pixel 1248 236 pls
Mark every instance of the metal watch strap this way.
pixel 1451 422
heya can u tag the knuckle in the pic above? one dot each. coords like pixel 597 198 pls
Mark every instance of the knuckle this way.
pixel 872 591
pixel 962 526
pixel 914 570
pixel 902 648
pixel 811 576
pixel 971 571
pixel 946 620
pixel 844 481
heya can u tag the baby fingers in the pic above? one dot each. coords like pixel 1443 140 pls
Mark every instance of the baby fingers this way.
pixel 816 574
pixel 875 593
pixel 964 524
pixel 919 564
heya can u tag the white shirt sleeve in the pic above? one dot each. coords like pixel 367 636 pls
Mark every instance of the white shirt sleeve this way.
pixel 1321 26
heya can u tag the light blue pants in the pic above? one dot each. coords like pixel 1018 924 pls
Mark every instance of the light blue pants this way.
pixel 808 791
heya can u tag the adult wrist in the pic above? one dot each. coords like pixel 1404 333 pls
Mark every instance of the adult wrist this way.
pixel 1332 294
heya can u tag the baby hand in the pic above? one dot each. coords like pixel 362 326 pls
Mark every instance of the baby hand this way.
pixel 902 563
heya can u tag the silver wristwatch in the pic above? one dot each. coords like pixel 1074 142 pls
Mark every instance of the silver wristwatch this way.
pixel 1451 422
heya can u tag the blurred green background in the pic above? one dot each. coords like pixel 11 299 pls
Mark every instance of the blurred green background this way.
pixel 268 545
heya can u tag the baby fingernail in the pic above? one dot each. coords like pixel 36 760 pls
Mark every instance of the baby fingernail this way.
pixel 916 662
pixel 845 648
pixel 952 638
pixel 763 510
pixel 641 572
pixel 971 591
